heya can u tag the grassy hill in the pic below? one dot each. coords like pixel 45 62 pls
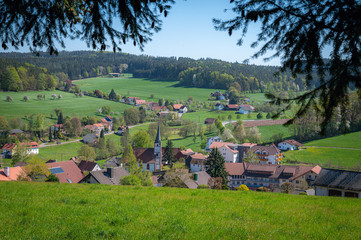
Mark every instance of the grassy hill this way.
pixel 71 105
pixel 330 152
pixel 66 211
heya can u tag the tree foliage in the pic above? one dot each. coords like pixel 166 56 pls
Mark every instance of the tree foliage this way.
pixel 314 26
pixel 215 166
pixel 41 24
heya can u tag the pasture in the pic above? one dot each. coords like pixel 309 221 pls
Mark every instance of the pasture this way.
pixel 350 140
pixel 71 105
pixel 89 211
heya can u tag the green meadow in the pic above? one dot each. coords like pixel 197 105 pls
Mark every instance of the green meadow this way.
pixel 268 131
pixel 84 211
pixel 330 152
pixel 350 140
pixel 71 105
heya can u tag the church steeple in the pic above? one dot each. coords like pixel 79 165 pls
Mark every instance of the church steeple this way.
pixel 158 150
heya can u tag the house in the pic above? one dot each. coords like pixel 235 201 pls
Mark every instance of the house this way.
pixel 211 140
pixel 245 109
pixel 231 107
pixel 11 173
pixel 209 121
pixel 185 179
pixel 256 175
pixel 115 74
pixel 89 166
pixel 90 138
pixel 267 154
pixel 131 100
pixel 121 130
pixel 183 109
pixel 243 150
pixel 95 128
pixel 67 171
pixel 113 162
pixel 218 106
pixel 110 176
pixel 9 149
pixel 139 102
pixel 338 183
pixel 16 132
pixel 185 153
pixel 289 145
pixel 107 124
pixel 227 149
pixel 159 108
pixel 195 162
pixel 218 95
pixel 58 128
pixel 31 147
pixel 177 107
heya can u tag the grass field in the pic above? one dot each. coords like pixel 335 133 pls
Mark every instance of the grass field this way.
pixel 325 157
pixel 268 131
pixel 71 105
pixel 82 211
pixel 351 140
pixel 201 115
pixel 143 88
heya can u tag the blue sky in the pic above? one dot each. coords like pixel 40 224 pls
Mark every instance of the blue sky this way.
pixel 188 31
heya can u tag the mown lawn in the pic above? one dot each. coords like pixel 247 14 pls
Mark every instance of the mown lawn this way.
pixel 268 131
pixel 201 115
pixel 325 157
pixel 71 105
pixel 351 140
pixel 143 88
pixel 82 211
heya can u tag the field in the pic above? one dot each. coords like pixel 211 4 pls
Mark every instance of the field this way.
pixel 331 152
pixel 201 115
pixel 71 105
pixel 77 211
pixel 268 131
pixel 351 140
pixel 143 88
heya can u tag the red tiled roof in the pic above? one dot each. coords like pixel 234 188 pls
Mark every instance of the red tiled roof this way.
pixel 158 108
pixel 198 156
pixel 233 151
pixel 87 165
pixel 177 106
pixel 14 172
pixel 234 168
pixel 249 144
pixel 219 144
pixel 293 142
pixel 271 150
pixel 71 171
pixel 232 106
pixel 31 145
pixel 9 146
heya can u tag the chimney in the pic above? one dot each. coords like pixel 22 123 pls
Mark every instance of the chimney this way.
pixel 7 171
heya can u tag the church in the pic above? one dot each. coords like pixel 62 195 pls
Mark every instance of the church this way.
pixel 152 157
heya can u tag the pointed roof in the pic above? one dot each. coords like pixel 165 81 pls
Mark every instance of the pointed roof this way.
pixel 158 139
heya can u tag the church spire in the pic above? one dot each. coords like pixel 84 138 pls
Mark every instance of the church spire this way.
pixel 158 139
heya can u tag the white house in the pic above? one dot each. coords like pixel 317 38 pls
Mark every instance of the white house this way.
pixel 230 153
pixel 32 147
pixel 218 106
pixel 195 162
pixel 267 154
pixel 245 109
pixel 289 145
pixel 211 140
pixel 183 109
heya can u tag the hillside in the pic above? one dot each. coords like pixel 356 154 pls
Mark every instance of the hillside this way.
pixel 65 211
pixel 342 151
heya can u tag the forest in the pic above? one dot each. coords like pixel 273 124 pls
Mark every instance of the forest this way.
pixel 205 73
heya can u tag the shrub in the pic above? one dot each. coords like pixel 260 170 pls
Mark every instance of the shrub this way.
pixel 203 186
pixel 9 99
pixel 302 193
pixel 259 116
pixel 243 187
pixel 262 189
pixel 26 98
pixel 287 188
pixel 130 180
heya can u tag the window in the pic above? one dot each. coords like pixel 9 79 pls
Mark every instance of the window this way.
pixel 297 181
pixel 351 194
pixel 334 193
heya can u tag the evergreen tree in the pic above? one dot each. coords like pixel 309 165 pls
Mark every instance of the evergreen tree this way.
pixel 50 135
pixel 102 134
pixel 112 95
pixel 168 153
pixel 60 118
pixel 215 166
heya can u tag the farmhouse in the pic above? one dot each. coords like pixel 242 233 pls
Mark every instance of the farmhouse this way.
pixel 183 109
pixel 11 173
pixel 256 175
pixel 338 183
pixel 231 107
pixel 267 154
pixel 16 132
pixel 218 106
pixel 139 102
pixel 228 150
pixel 88 166
pixel 195 162
pixel 209 121
pixel 289 145
pixel 90 138
pixel 95 128
pixel 177 107
pixel 9 149
pixel 67 171
pixel 245 109
pixel 211 140
pixel 121 130
pixel 110 176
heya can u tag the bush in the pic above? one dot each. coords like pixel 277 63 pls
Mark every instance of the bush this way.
pixel 262 189
pixel 203 186
pixel 287 187
pixel 302 193
pixel 9 99
pixel 52 178
pixel 259 116
pixel 243 187
pixel 130 180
